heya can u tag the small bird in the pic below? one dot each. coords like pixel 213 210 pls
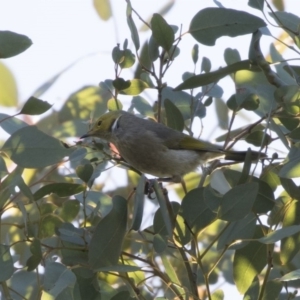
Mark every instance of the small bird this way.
pixel 156 149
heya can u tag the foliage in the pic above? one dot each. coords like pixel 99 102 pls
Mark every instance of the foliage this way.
pixel 63 237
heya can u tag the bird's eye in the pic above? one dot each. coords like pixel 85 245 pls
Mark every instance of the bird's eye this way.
pixel 99 123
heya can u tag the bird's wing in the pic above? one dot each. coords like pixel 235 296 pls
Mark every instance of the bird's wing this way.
pixel 190 143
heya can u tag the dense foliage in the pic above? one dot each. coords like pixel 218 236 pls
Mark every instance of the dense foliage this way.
pixel 62 237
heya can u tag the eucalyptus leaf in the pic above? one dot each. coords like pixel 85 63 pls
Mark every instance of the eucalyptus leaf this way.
pixel 106 243
pixel 12 43
pixel 162 32
pixel 61 189
pixel 31 148
pixel 212 23
pixel 34 106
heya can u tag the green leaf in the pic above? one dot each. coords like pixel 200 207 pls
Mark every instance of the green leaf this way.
pixel 214 76
pixel 237 202
pixel 119 268
pixel 153 50
pixel 291 165
pixel 231 56
pixel 86 102
pixel 142 106
pixel 132 27
pixel 287 21
pixel 48 226
pixel 138 208
pixel 217 295
pixel 173 115
pixel 70 210
pixel 85 172
pixel 11 124
pixel 8 87
pixel 205 64
pixel 37 255
pixel 195 54
pixel 136 87
pixel 61 189
pixel 160 229
pixel 212 23
pixel 289 246
pixel 294 275
pixel 239 230
pixel 160 243
pixel 31 148
pixel 129 59
pixel 249 262
pixel 253 290
pixel 103 9
pixel 258 4
pixel 166 210
pixel 265 200
pixel 121 84
pixel 6 263
pixel 162 32
pixel 12 43
pixel 124 295
pixel 258 138
pixel 34 106
pixel 114 104
pixel 195 210
pixel 57 278
pixel 107 240
pixel 279 234
pixel 272 290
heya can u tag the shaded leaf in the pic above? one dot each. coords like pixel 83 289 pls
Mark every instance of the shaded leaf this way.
pixel 107 240
pixel 214 76
pixel 11 124
pixel 85 172
pixel 237 203
pixel 31 148
pixel 34 106
pixel 162 32
pixel 48 225
pixel 138 208
pixel 294 275
pixel 279 234
pixel 132 27
pixel 212 23
pixel 239 230
pixel 57 278
pixel 12 43
pixel 61 189
pixel 195 54
pixel 173 115
pixel 6 263
pixel 291 165
pixel 195 210
pixel 70 210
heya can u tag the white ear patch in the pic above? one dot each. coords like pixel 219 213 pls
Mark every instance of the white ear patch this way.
pixel 115 124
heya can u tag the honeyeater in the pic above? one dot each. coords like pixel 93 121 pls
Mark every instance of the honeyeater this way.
pixel 156 149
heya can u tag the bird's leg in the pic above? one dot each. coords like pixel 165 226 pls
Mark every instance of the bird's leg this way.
pixel 149 188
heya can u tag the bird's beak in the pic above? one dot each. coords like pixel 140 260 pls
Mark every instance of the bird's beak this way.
pixel 88 134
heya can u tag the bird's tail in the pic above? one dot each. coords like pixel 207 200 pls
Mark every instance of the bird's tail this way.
pixel 241 155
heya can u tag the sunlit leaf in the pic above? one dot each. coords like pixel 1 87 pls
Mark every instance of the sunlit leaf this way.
pixel 8 87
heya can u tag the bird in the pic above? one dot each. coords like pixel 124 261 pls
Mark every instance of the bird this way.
pixel 153 148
